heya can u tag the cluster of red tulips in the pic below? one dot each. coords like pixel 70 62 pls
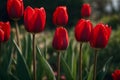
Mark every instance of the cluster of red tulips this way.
pixel 35 20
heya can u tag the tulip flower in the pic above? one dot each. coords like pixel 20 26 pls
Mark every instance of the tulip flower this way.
pixel 99 39
pixel 60 42
pixel 34 19
pixel 86 10
pixel 60 16
pixel 5 30
pixel 116 75
pixel 15 9
pixel 83 30
pixel 100 36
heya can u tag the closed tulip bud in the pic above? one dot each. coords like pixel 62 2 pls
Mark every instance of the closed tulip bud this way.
pixel 34 19
pixel 60 40
pixel 100 36
pixel 15 9
pixel 60 16
pixel 5 27
pixel 85 10
pixel 1 35
pixel 116 75
pixel 83 30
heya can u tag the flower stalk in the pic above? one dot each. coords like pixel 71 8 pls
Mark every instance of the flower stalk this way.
pixel 17 33
pixel 80 59
pixel 58 65
pixel 95 64
pixel 34 59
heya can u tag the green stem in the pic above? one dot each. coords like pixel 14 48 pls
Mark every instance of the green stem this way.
pixel 95 64
pixel 34 59
pixel 58 65
pixel 0 51
pixel 17 33
pixel 80 58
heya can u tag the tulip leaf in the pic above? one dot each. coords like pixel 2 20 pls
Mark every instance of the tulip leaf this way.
pixel 90 74
pixel 74 66
pixel 43 68
pixel 69 54
pixel 7 57
pixel 6 60
pixel 12 77
pixel 66 69
pixel 102 73
pixel 22 71
pixel 29 50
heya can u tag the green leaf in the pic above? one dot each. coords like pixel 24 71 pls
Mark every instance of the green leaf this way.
pixel 90 74
pixel 7 56
pixel 6 59
pixel 12 77
pixel 29 50
pixel 66 70
pixel 69 54
pixel 43 68
pixel 102 73
pixel 21 66
pixel 74 66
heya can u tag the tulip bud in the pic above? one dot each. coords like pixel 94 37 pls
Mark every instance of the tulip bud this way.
pixel 34 19
pixel 83 30
pixel 15 9
pixel 60 16
pixel 1 35
pixel 85 10
pixel 100 36
pixel 5 27
pixel 116 75
pixel 60 40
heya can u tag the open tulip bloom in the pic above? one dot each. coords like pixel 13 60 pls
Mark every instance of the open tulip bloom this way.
pixel 60 16
pixel 15 9
pixel 116 75
pixel 86 10
pixel 34 19
pixel 4 31
pixel 99 39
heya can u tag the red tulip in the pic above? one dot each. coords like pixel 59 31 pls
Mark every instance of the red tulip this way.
pixel 5 27
pixel 83 30
pixel 60 16
pixel 1 35
pixel 15 9
pixel 100 36
pixel 86 10
pixel 60 40
pixel 116 75
pixel 34 19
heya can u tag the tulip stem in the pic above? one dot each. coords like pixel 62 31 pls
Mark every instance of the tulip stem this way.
pixel 34 59
pixel 80 58
pixel 58 65
pixel 17 33
pixel 95 64
pixel 0 51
